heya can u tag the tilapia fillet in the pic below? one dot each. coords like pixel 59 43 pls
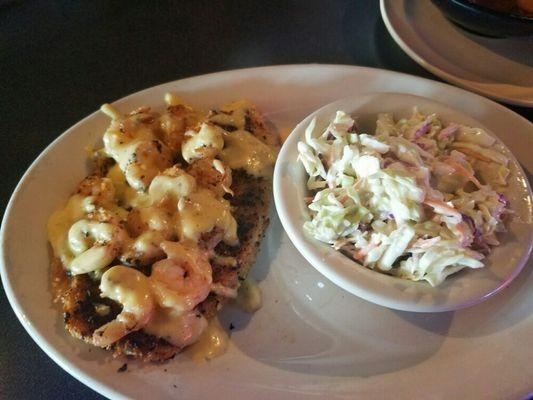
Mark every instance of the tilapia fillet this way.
pixel 80 294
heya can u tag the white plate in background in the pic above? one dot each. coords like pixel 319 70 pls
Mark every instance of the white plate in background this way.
pixel 310 338
pixel 500 68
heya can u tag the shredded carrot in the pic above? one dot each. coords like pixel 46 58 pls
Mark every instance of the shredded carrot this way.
pixel 440 204
pixel 364 251
pixel 463 171
pixel 462 232
pixel 442 208
pixel 474 154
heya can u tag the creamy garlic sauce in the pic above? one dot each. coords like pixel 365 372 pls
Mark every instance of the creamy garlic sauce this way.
pixel 121 147
pixel 232 115
pixel 157 219
pixel 129 287
pixel 202 211
pixel 206 143
pixel 127 196
pixel 172 188
pixel 179 329
pixel 244 150
pixel 132 289
pixel 138 152
pixel 91 243
pixel 60 222
pixel 249 296
pixel 84 233
pixel 145 247
pixel 213 343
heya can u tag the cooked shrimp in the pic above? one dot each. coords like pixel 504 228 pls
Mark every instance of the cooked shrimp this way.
pixel 150 226
pixel 151 218
pixel 94 244
pixel 156 223
pixel 173 126
pixel 178 328
pixel 170 186
pixel 206 143
pixel 183 279
pixel 100 195
pixel 99 199
pixel 145 162
pixel 145 249
pixel 130 288
pixel 178 119
pixel 212 174
pixel 133 143
pixel 175 121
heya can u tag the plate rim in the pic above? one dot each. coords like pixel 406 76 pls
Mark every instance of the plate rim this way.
pixel 13 300
pixel 385 6
pixel 71 368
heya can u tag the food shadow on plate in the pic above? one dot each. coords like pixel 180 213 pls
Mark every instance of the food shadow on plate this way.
pixel 309 325
pixel 232 317
pixel 501 312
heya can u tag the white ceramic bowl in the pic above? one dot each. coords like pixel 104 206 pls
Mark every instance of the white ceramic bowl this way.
pixel 463 289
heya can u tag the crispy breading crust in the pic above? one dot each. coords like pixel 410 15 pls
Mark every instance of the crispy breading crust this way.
pixel 80 295
pixel 251 202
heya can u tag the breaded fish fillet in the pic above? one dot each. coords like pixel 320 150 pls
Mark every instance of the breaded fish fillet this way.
pixel 85 310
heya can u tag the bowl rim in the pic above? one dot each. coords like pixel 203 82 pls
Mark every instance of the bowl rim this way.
pixel 489 11
pixel 305 248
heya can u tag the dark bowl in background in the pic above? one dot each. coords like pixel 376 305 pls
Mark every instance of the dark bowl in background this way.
pixel 483 20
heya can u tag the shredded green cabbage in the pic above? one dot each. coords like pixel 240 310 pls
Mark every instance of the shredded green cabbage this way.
pixel 416 199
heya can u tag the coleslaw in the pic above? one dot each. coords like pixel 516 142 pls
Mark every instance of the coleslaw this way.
pixel 418 199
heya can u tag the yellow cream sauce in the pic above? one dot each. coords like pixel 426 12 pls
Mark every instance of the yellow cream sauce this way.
pixel 213 343
pixel 202 211
pixel 244 150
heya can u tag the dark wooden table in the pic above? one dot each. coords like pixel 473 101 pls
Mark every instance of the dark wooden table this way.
pixel 60 60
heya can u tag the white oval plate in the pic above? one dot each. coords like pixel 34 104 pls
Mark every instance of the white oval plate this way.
pixel 310 338
pixel 501 68
pixel 458 291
